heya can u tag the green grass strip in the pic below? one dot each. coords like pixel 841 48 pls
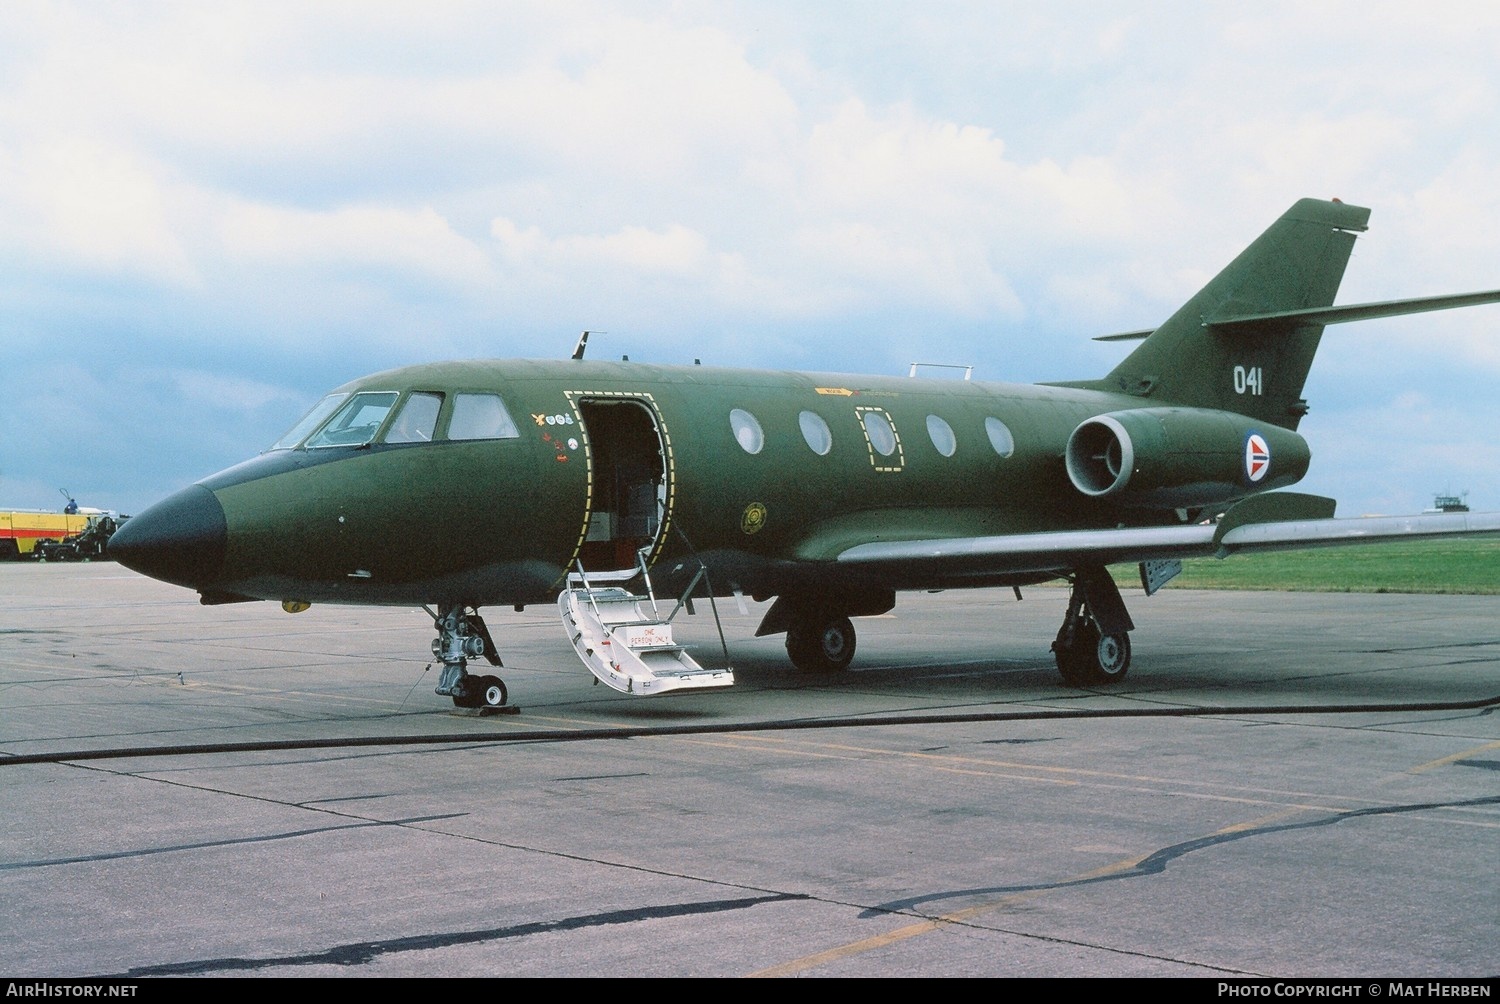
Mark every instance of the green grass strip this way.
pixel 1470 567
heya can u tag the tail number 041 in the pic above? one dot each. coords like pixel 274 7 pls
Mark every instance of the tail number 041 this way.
pixel 1248 380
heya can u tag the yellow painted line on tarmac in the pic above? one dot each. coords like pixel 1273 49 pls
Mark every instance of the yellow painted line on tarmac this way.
pixel 1273 818
pixel 797 966
pixel 807 962
pixel 834 751
pixel 976 772
pixel 1007 769
pixel 737 743
pixel 1048 774
pixel 1455 758
pixel 279 695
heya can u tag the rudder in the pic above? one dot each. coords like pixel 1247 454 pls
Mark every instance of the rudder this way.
pixel 1259 368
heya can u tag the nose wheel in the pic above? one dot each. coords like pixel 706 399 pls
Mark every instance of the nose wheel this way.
pixel 480 692
pixel 462 635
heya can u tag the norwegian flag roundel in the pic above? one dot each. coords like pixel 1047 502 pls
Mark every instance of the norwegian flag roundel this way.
pixel 1257 457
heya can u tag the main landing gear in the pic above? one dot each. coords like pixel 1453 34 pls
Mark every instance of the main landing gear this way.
pixel 819 635
pixel 1093 646
pixel 462 636
pixel 820 643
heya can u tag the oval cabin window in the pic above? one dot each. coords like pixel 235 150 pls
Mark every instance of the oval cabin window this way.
pixel 882 436
pixel 747 431
pixel 1000 437
pixel 942 436
pixel 819 437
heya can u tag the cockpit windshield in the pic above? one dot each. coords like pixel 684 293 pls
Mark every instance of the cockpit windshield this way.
pixel 356 419
pixel 356 423
pixel 309 422
pixel 417 419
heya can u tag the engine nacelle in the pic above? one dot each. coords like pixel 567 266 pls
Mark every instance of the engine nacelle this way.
pixel 1180 457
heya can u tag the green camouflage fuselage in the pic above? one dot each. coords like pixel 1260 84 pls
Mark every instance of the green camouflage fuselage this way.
pixel 500 521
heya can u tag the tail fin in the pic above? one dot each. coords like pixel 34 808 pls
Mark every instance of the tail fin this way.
pixel 1239 344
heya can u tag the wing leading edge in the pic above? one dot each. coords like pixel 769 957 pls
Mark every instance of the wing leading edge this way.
pixel 1069 549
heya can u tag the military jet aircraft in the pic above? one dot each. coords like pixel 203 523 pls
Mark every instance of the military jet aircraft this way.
pixel 623 491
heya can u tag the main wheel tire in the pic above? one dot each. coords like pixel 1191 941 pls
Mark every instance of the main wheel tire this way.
pixel 1068 664
pixel 1093 659
pixel 1111 659
pixel 821 645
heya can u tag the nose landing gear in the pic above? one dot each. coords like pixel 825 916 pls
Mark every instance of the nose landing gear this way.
pixel 462 635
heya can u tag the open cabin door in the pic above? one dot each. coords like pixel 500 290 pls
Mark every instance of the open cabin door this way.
pixel 612 616
pixel 627 503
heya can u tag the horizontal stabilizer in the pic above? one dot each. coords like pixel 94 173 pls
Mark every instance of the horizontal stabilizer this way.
pixel 1126 336
pixel 1330 315
pixel 1350 312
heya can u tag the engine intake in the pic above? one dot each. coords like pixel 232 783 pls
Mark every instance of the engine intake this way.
pixel 1179 457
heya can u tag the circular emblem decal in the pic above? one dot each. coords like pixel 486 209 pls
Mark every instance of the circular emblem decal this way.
pixel 754 518
pixel 1257 457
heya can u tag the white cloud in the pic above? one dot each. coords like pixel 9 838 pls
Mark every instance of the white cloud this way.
pixel 91 206
pixel 673 250
pixel 416 242
pixel 228 393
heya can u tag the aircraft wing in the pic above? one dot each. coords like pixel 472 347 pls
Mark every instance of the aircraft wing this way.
pixel 1043 552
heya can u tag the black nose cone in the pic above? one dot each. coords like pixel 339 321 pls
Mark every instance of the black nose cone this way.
pixel 179 540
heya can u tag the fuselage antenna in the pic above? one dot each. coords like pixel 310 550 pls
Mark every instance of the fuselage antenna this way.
pixel 968 370
pixel 583 343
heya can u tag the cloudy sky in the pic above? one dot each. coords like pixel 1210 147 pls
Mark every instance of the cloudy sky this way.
pixel 212 213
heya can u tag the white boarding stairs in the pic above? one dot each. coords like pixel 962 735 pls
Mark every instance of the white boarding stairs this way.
pixel 623 638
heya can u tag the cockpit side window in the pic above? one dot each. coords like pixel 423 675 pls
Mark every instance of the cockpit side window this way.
pixel 416 420
pixel 481 416
pixel 356 423
pixel 309 422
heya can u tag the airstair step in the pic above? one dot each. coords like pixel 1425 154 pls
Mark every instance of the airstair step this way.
pixel 626 643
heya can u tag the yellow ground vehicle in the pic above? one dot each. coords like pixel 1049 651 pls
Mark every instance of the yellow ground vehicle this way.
pixel 21 530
